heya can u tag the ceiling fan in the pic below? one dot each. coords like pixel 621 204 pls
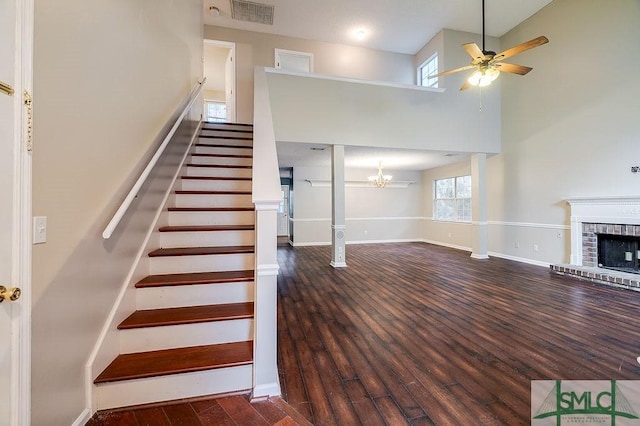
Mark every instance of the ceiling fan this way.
pixel 488 64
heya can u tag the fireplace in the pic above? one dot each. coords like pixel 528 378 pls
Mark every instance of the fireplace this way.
pixel 605 241
pixel 619 253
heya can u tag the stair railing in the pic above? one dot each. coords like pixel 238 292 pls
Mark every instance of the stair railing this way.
pixel 122 210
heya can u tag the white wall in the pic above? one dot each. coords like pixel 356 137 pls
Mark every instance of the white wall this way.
pixel 569 128
pixel 257 49
pixel 314 109
pixel 107 78
pixel 372 214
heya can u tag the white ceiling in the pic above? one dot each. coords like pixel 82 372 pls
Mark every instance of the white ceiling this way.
pixel 402 26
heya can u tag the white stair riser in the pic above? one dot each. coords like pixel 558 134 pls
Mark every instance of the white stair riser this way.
pixel 226 150
pixel 194 295
pixel 244 153
pixel 217 200
pixel 211 218
pixel 216 161
pixel 218 171
pixel 207 239
pixel 215 185
pixel 207 263
pixel 227 126
pixel 185 335
pixel 172 387
pixel 229 131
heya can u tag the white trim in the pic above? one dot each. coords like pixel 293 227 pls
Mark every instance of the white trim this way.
pixel 479 256
pixel 89 394
pixel 267 270
pixel 324 183
pixel 355 80
pixel 528 225
pixel 322 219
pixel 354 242
pixel 453 246
pixel 20 397
pixel 338 264
pixel 519 259
pixel 266 205
pixel 265 390
pixel 83 418
pixel 311 244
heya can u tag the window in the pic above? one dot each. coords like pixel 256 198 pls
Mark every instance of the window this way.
pixel 215 111
pixel 452 199
pixel 429 67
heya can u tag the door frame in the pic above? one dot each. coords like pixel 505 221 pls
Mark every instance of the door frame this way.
pixel 232 46
pixel 22 196
pixel 287 206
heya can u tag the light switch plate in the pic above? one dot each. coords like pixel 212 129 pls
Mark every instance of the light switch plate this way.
pixel 39 229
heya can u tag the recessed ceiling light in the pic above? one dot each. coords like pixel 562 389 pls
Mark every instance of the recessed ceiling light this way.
pixel 360 34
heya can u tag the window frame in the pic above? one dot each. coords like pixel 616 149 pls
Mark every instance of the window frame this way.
pixel 455 199
pixel 427 64
pixel 216 119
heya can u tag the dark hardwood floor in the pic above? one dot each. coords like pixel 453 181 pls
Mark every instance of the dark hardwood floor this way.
pixel 420 334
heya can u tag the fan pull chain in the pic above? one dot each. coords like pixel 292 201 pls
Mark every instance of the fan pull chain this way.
pixel 480 90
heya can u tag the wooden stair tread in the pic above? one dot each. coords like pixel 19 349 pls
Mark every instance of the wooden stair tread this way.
pixel 215 178
pixel 175 361
pixel 201 154
pixel 225 123
pixel 211 209
pixel 201 192
pixel 201 251
pixel 235 138
pixel 221 166
pixel 187 315
pixel 195 278
pixel 195 228
pixel 222 145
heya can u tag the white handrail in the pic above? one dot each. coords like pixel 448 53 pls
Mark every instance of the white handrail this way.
pixel 117 217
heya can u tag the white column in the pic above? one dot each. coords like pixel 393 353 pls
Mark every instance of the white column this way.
pixel 338 227
pixel 479 206
pixel 265 380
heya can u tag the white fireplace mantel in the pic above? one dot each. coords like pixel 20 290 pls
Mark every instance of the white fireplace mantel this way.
pixel 623 210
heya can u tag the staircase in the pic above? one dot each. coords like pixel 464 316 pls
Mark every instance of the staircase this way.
pixel 192 332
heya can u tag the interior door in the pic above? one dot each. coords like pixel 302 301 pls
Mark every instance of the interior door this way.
pixel 230 86
pixel 291 60
pixel 15 258
pixel 283 212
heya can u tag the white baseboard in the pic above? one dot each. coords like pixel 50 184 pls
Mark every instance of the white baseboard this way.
pixel 520 259
pixel 269 389
pixel 453 246
pixel 328 243
pixel 83 418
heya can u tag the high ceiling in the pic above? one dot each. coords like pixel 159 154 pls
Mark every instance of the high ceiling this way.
pixel 402 26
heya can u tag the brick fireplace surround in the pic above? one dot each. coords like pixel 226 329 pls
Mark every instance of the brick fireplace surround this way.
pixel 593 216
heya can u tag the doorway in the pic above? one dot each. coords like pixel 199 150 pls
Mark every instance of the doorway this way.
pixel 283 212
pixel 219 67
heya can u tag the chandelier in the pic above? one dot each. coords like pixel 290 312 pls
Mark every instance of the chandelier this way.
pixel 380 180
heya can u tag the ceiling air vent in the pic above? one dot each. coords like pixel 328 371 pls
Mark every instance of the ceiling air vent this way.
pixel 252 12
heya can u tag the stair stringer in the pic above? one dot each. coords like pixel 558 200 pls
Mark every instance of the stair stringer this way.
pixel 107 346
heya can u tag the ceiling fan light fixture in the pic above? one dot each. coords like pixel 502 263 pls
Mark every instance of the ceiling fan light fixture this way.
pixel 483 77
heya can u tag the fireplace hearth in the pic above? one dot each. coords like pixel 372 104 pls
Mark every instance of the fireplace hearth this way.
pixel 605 241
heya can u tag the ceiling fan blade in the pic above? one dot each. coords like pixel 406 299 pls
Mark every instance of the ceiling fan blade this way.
pixel 465 85
pixel 474 51
pixel 468 67
pixel 538 41
pixel 512 68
